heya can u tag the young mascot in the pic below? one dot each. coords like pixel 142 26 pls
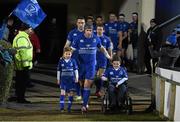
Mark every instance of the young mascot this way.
pixel 67 76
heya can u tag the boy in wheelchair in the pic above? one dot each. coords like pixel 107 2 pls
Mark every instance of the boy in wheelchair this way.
pixel 117 77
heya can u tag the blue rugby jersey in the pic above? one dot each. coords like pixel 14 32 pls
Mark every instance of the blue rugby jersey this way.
pixel 111 30
pixel 87 48
pixel 73 34
pixel 123 26
pixel 67 69
pixel 133 26
pixel 115 75
pixel 105 41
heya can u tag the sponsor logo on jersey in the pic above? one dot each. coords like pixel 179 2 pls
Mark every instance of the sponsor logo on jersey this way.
pixel 111 73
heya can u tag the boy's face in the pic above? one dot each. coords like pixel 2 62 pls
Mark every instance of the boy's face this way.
pixel 116 64
pixel 67 55
pixel 100 30
pixel 88 33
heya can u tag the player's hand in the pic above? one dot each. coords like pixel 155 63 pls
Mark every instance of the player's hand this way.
pixel 58 82
pixel 120 46
pixel 110 58
pixel 117 85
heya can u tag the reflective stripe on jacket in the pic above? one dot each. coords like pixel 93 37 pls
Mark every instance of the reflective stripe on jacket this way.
pixel 24 55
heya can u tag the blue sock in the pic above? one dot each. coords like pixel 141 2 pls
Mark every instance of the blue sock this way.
pixel 62 97
pixel 70 102
pixel 86 95
pixel 78 89
pixel 82 91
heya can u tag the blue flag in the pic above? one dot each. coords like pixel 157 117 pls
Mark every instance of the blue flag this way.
pixel 2 30
pixel 29 12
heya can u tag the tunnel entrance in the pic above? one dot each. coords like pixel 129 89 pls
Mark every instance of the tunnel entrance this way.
pixel 53 36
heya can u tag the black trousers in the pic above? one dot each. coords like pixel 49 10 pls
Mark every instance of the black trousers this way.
pixel 116 94
pixel 147 61
pixel 22 78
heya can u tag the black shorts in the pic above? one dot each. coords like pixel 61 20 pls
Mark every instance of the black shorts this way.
pixel 125 43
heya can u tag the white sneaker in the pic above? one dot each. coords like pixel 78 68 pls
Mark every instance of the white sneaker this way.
pixel 83 110
pixel 87 106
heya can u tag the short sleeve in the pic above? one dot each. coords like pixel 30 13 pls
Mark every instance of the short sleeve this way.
pixel 99 45
pixel 75 66
pixel 69 37
pixel 59 65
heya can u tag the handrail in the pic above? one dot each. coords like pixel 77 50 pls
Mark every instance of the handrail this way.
pixel 168 21
pixel 167 80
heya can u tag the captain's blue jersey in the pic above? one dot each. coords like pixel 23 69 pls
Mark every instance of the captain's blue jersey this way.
pixel 105 41
pixel 133 26
pixel 124 26
pixel 87 48
pixel 67 70
pixel 115 75
pixel 73 34
pixel 111 30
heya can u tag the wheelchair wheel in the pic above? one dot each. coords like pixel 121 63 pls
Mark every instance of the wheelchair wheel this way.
pixel 105 103
pixel 128 105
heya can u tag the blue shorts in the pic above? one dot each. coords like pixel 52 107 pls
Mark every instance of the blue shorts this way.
pixel 115 47
pixel 67 86
pixel 86 71
pixel 101 64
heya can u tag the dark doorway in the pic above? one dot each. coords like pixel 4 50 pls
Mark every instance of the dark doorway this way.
pixel 53 38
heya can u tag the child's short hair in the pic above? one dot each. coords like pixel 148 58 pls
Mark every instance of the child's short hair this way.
pixel 67 49
pixel 116 58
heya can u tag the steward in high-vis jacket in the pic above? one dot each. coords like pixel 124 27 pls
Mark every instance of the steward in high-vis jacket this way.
pixel 23 61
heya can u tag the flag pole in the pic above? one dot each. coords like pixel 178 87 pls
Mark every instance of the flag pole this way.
pixel 10 14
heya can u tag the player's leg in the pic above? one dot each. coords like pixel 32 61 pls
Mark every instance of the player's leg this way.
pixel 62 99
pixel 70 100
pixel 100 82
pixel 89 76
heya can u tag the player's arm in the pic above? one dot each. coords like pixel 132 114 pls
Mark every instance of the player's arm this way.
pixel 76 76
pixel 125 35
pixel 58 77
pixel 110 48
pixel 67 43
pixel 129 35
pixel 104 77
pixel 103 50
pixel 120 35
pixel 76 71
pixel 59 72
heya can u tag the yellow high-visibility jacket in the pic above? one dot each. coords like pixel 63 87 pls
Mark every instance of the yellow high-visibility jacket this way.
pixel 24 55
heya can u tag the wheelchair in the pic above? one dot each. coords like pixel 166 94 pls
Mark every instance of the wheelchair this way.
pixel 126 105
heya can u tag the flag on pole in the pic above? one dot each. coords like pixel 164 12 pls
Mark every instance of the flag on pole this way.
pixel 2 30
pixel 29 12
